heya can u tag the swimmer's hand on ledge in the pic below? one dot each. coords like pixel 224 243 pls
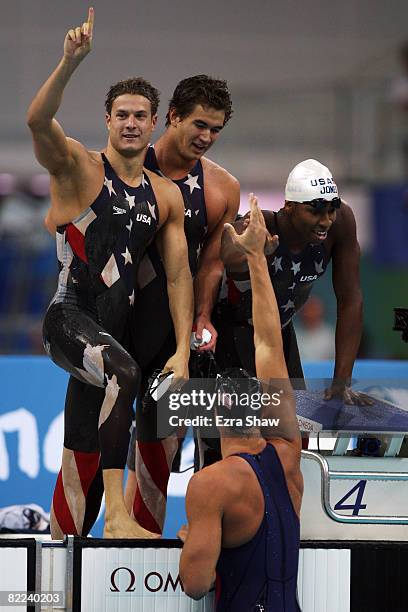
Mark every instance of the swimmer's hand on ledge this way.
pixel 78 41
pixel 341 390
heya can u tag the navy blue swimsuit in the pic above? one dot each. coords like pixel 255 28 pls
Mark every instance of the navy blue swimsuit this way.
pixel 292 276
pixel 99 253
pixel 152 326
pixel 263 572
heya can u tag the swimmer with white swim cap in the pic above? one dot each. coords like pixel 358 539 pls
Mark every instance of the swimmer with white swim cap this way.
pixel 314 226
pixel 310 181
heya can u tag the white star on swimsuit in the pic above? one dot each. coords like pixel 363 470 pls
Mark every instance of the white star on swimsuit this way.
pixel 132 298
pixel 130 199
pixel 127 256
pixel 319 267
pixel 152 211
pixel 192 182
pixel 277 264
pixel 129 227
pixel 289 304
pixel 108 184
pixel 144 182
pixel 291 288
pixel 296 267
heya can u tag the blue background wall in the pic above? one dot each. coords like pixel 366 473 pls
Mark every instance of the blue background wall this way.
pixel 31 427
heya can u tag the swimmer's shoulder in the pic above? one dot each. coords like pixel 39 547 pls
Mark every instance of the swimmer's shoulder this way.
pixel 218 480
pixel 343 231
pixel 81 154
pixel 270 221
pixel 217 174
pixel 162 186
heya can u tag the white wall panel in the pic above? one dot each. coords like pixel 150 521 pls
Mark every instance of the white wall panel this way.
pixel 13 573
pixel 155 572
pixel 324 580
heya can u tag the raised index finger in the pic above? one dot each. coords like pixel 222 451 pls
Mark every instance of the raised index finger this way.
pixel 252 206
pixel 255 210
pixel 259 213
pixel 91 18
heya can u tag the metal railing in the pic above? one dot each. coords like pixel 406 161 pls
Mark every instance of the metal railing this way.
pixel 327 474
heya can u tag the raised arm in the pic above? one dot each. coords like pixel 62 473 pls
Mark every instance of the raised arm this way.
pixel 53 150
pixel 270 360
pixel 173 249
pixel 211 267
pixel 269 356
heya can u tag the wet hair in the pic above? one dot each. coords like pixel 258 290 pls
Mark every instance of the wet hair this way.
pixel 200 89
pixel 230 385
pixel 135 86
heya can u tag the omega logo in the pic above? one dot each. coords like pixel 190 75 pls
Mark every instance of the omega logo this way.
pixel 153 581
pixel 132 578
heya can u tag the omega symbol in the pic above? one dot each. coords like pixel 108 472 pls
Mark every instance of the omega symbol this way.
pixel 131 583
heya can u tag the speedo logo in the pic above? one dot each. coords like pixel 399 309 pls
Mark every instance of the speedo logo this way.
pixel 119 211
pixel 143 218
pixel 308 279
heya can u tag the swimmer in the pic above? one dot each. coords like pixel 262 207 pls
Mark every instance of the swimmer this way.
pixel 106 210
pixel 245 535
pixel 315 226
pixel 198 111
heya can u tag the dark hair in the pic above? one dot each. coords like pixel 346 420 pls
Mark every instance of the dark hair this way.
pixel 135 86
pixel 232 384
pixel 200 89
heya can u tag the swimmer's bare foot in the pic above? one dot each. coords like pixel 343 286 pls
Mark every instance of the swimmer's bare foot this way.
pixel 118 523
pixel 126 528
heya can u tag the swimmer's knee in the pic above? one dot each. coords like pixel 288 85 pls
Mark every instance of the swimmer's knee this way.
pixel 133 372
pixel 129 375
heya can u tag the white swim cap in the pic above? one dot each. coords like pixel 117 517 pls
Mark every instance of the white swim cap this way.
pixel 310 180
